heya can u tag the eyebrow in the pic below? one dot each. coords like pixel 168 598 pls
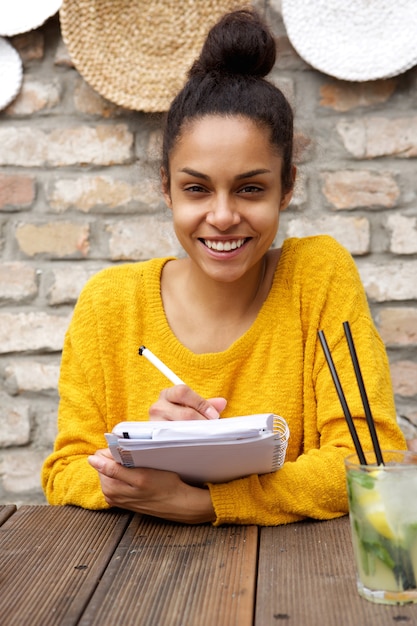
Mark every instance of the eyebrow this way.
pixel 250 174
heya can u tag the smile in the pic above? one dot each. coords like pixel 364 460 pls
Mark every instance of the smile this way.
pixel 224 246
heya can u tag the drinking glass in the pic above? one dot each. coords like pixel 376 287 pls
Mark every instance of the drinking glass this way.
pixel 383 518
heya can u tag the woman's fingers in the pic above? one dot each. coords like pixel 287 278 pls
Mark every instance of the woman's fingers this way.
pixel 182 403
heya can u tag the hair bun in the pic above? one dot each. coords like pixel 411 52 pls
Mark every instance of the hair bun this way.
pixel 240 43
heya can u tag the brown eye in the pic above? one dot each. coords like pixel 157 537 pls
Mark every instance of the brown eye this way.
pixel 250 189
pixel 195 189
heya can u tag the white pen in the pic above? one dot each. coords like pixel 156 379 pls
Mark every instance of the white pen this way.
pixel 164 369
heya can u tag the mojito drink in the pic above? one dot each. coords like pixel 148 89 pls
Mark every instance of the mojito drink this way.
pixel 383 517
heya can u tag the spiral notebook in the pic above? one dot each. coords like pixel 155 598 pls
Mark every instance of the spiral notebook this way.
pixel 204 450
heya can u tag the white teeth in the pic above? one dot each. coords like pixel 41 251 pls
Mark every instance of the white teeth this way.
pixel 224 246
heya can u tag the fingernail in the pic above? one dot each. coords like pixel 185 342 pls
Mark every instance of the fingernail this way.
pixel 96 462
pixel 211 413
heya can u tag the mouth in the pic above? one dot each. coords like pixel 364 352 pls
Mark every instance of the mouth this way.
pixel 224 246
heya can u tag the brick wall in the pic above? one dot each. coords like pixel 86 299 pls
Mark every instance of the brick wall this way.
pixel 79 190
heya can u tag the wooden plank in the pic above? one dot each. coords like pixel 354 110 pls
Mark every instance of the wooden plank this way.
pixel 172 574
pixel 51 560
pixel 6 510
pixel 307 576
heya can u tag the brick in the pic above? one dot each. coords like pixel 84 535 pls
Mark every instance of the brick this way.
pixel 17 282
pixel 299 198
pixel 286 85
pixel 404 378
pixel 344 96
pixel 351 189
pixel 409 412
pixel 21 471
pixel 371 137
pixel 398 326
pixel 303 147
pixel 403 238
pixel 14 421
pixel 55 239
pixel 16 191
pixel 25 332
pixel 287 58
pixel 62 56
pixel 154 147
pixel 409 430
pixel 139 240
pixel 47 424
pixel 87 193
pixel 67 283
pixel 28 146
pixel 102 145
pixel 351 232
pixel 35 96
pixel 88 101
pixel 31 375
pixel 390 281
pixel 30 45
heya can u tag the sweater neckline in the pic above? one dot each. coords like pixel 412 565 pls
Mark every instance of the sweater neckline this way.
pixel 240 345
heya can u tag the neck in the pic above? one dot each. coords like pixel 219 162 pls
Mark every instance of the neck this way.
pixel 208 315
pixel 229 297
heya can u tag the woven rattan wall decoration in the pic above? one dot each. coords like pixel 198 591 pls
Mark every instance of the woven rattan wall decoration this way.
pixel 136 53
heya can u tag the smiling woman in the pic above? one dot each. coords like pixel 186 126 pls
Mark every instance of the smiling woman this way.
pixel 225 193
pixel 235 319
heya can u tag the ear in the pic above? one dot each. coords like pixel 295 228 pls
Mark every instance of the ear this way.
pixel 165 188
pixel 286 198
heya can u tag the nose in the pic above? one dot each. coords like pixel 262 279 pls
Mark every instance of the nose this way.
pixel 223 213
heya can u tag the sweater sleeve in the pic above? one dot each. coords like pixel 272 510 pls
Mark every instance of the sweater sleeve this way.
pixel 67 477
pixel 313 484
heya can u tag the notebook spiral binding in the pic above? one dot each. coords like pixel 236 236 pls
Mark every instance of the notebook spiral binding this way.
pixel 280 427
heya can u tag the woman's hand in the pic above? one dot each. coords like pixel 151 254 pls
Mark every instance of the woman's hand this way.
pixel 182 403
pixel 151 492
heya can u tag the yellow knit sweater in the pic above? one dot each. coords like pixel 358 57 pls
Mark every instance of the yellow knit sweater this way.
pixel 276 366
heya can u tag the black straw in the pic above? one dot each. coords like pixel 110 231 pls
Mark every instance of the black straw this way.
pixel 342 399
pixel 367 408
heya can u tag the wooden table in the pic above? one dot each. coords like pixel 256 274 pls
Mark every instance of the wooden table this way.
pixel 63 566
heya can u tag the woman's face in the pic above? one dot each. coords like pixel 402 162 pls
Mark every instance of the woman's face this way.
pixel 225 194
